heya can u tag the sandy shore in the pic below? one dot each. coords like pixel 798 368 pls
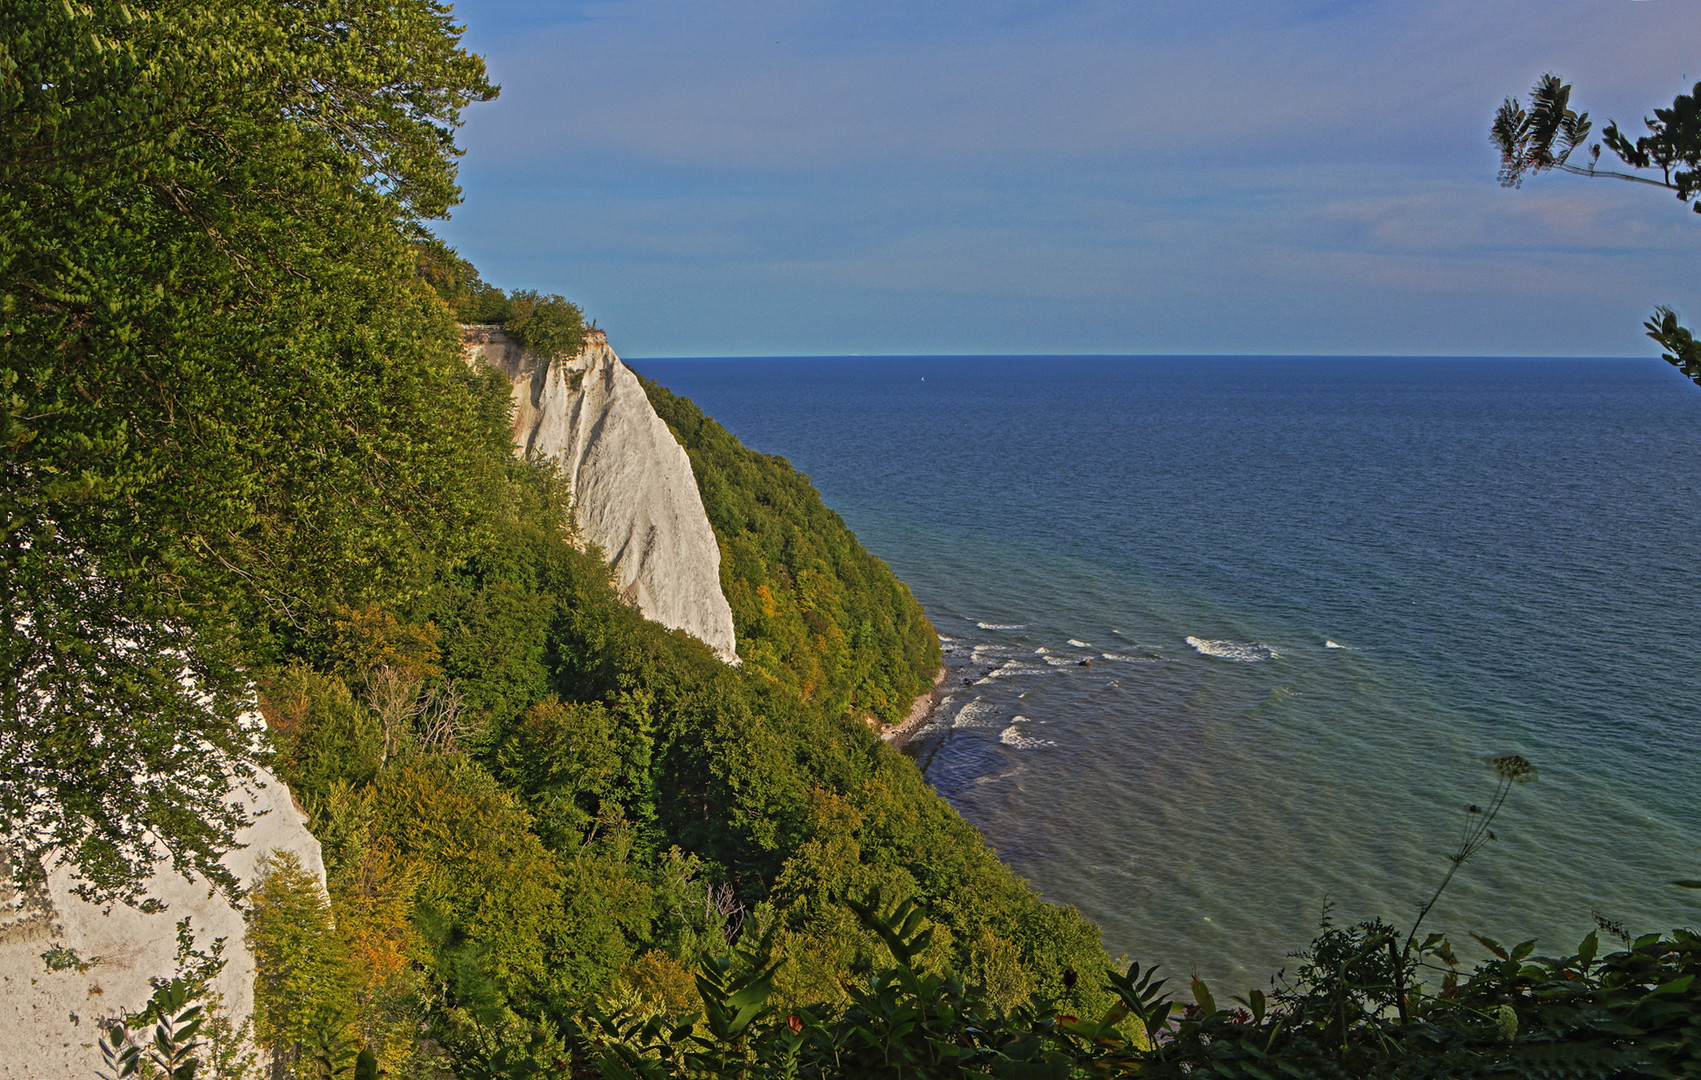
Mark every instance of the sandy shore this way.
pixel 920 712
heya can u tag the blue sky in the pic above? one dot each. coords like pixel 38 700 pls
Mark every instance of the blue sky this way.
pixel 757 178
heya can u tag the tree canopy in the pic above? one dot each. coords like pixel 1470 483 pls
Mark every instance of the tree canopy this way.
pixel 244 461
pixel 1545 135
pixel 550 325
pixel 216 376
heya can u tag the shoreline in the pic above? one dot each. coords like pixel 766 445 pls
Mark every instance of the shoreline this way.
pixel 921 711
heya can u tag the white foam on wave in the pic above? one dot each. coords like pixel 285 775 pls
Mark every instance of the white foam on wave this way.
pixel 1130 659
pixel 1243 651
pixel 1062 661
pixel 1336 645
pixel 1081 644
pixel 1013 737
pixel 970 714
pixel 1008 669
pixel 1041 651
pixel 1001 626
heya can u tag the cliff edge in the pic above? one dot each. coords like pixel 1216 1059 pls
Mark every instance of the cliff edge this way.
pixel 51 1013
pixel 633 490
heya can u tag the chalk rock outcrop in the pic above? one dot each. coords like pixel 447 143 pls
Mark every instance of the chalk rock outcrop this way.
pixel 633 490
pixel 51 1016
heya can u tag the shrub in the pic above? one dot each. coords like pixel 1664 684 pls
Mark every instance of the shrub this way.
pixel 303 982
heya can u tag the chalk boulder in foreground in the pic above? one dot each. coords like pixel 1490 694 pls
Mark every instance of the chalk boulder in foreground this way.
pixel 50 1019
pixel 634 494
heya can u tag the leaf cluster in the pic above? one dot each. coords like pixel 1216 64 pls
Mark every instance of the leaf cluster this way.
pixel 1544 136
pixel 225 405
pixel 1541 137
pixel 1353 1010
pixel 550 325
pixel 1681 349
pixel 902 1020
pixel 172 1051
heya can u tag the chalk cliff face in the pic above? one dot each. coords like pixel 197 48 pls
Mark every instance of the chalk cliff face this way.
pixel 50 1019
pixel 634 495
pixel 633 490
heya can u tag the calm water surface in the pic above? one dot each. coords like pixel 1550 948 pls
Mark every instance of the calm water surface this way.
pixel 1230 637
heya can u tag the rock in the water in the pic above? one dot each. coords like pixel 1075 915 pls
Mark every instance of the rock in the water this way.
pixel 633 490
pixel 50 1017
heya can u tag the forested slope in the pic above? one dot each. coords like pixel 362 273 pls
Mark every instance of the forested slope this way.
pixel 530 797
pixel 814 611
pixel 243 456
pixel 241 459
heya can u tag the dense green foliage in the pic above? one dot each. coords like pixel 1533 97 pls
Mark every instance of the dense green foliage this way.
pixel 225 403
pixel 1367 1000
pixel 608 802
pixel 530 796
pixel 1359 1005
pixel 814 611
pixel 301 969
pixel 1545 135
pixel 1354 1010
pixel 551 325
pixel 243 456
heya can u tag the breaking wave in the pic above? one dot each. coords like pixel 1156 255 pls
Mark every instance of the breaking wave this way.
pixel 1245 651
pixel 970 713
pixel 1009 668
pixel 1013 737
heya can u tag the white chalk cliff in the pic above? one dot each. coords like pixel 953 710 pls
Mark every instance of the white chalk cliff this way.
pixel 50 1019
pixel 634 495
pixel 633 491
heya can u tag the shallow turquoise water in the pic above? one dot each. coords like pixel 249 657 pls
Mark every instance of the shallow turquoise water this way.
pixel 1502 550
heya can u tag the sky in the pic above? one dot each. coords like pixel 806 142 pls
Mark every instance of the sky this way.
pixel 752 178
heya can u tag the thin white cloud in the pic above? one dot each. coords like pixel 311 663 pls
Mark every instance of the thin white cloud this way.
pixel 731 177
pixel 760 86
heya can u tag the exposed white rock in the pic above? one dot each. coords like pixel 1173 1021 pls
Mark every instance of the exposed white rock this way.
pixel 633 490
pixel 50 1020
pixel 634 495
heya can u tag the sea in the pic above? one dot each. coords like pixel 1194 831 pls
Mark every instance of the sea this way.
pixel 1231 639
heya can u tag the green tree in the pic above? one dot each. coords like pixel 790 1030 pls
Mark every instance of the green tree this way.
pixel 551 325
pixel 1545 135
pixel 303 984
pixel 226 403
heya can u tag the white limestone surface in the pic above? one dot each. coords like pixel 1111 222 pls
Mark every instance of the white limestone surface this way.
pixel 634 494
pixel 49 1020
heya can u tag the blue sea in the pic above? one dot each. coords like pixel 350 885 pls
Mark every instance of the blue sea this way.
pixel 1230 638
